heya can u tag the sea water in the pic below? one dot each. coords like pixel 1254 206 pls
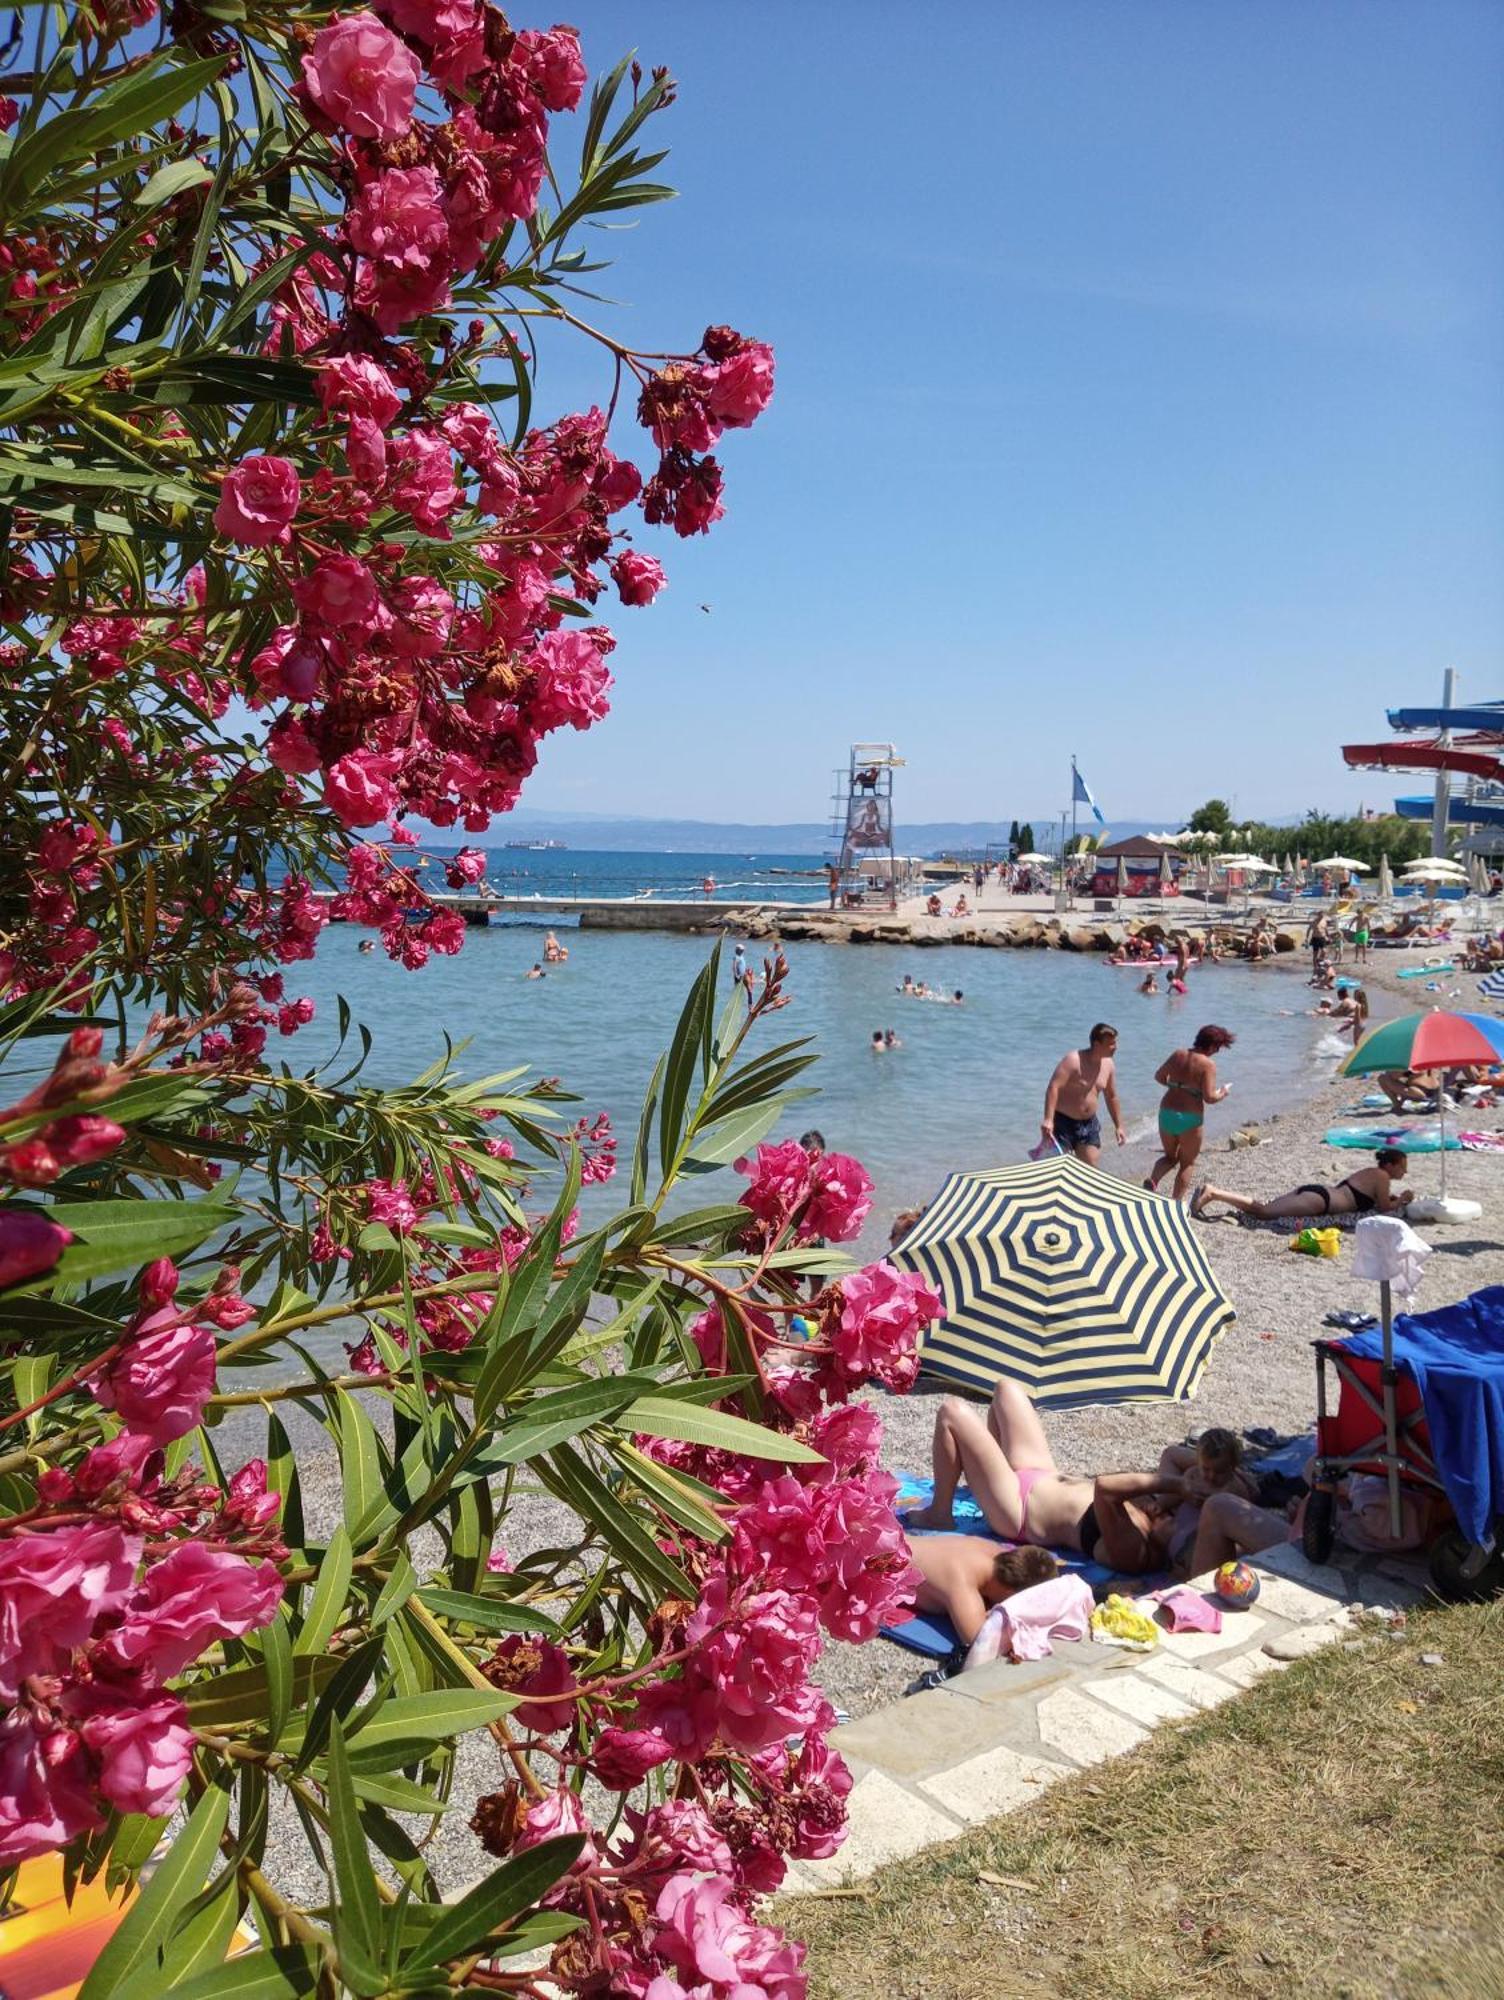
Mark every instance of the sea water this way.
pixel 964 1090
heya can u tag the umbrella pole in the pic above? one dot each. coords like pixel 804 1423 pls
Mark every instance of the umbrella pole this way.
pixel 1441 1105
pixel 1391 1425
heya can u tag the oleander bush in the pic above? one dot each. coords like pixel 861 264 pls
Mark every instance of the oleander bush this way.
pixel 291 562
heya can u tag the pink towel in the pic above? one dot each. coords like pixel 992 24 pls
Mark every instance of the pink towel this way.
pixel 1025 1625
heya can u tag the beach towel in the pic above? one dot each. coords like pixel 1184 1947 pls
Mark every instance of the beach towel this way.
pixel 1290 1225
pixel 1455 1357
pixel 1402 1138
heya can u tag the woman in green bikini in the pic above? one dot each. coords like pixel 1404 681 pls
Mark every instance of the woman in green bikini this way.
pixel 1189 1077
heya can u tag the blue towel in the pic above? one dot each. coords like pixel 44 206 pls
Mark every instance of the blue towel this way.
pixel 1455 1357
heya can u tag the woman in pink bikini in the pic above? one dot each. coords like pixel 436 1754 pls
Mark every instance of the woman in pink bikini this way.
pixel 1123 1519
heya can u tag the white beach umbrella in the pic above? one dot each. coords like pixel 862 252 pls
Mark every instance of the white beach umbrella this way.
pixel 1038 860
pixel 1386 880
pixel 1341 863
pixel 1436 869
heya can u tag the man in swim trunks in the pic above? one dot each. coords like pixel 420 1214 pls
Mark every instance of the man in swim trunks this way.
pixel 1123 1519
pixel 1070 1102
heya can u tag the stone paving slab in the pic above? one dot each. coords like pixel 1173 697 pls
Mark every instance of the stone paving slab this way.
pixel 1083 1730
pixel 990 1741
pixel 998 1781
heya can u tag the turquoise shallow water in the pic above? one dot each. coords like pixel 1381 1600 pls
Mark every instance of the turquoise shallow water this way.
pixel 964 1090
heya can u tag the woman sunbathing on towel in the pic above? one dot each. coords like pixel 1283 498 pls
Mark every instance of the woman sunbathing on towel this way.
pixel 1370 1191
pixel 1123 1519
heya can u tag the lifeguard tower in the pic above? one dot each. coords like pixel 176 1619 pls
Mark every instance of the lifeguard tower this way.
pixel 861 826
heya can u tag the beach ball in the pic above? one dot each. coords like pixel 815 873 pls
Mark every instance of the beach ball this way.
pixel 1237 1585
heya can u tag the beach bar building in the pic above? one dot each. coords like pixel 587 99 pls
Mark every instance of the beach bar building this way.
pixel 1149 867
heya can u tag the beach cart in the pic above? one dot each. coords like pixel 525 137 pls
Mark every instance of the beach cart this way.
pixel 1378 1424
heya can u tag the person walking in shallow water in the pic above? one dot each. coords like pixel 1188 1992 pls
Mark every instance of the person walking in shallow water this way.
pixel 1070 1101
pixel 1189 1079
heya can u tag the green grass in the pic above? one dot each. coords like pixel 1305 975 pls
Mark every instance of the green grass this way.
pixel 1335 1834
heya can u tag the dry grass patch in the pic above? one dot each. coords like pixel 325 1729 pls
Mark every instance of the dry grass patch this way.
pixel 1335 1834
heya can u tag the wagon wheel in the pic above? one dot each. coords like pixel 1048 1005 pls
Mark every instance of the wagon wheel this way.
pixel 1319 1528
pixel 1448 1558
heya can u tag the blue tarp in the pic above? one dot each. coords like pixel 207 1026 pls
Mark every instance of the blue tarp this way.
pixel 1455 1357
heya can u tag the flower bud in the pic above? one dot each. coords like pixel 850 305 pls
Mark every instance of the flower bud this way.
pixel 29 1244
pixel 159 1283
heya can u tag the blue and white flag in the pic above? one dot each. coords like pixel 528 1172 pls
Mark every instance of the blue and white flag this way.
pixel 1081 794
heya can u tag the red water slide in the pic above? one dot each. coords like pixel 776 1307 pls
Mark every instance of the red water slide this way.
pixel 1422 757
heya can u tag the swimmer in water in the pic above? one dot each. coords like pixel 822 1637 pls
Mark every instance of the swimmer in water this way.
pixel 878 1045
pixel 1148 984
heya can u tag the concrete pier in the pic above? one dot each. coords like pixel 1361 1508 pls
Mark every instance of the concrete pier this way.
pixel 1022 923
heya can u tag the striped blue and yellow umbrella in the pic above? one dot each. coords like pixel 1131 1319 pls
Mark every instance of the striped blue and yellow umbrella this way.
pixel 1069 1281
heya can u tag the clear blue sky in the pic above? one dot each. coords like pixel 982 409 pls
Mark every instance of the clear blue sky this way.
pixel 1139 373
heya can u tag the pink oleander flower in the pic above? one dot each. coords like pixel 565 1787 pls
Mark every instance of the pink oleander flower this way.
pixel 189 1601
pixel 76 1141
pixel 45 1798
pixel 541 1671
pixel 555 1814
pixel 572 682
pixel 780 1178
pixel 468 866
pixel 290 748
pixel 740 388
pixel 340 592
pixel 54 1588
pixel 390 1202
pixel 841 1201
pixel 359 788
pixel 158 1284
pixel 422 615
pixel 755 1659
pixel 397 213
pixel 362 78
pixel 353 385
pixel 251 1501
pixel 638 578
pixel 553 65
pixel 876 1331
pixel 870 1580
pixel 715 1949
pixel 424 484
pixel 621 1758
pixel 258 502
pixel 160 1381
pixel 365 455
pixel 848 1436
pixel 781 1533
pixel 818 1784
pixel 30 1244
pixel 144 1753
pixel 675 1836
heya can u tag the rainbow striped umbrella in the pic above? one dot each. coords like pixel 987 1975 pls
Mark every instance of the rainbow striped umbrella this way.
pixel 1436 1041
pixel 1063 1278
pixel 1439 1039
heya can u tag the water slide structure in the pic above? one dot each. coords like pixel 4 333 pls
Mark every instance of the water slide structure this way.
pixel 1468 742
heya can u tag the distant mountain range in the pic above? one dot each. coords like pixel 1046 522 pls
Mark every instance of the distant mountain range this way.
pixel 623 834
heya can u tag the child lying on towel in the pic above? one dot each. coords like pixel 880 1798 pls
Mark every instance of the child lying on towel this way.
pixel 965 1575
